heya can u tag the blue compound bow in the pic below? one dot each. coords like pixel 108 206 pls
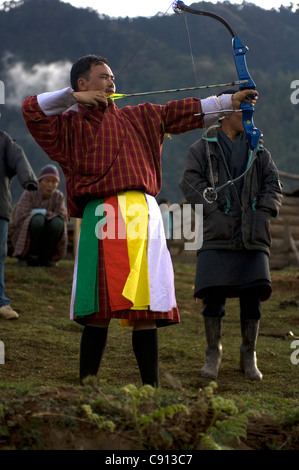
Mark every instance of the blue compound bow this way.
pixel 252 133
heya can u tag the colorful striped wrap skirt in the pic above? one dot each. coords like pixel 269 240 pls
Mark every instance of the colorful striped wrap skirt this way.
pixel 123 267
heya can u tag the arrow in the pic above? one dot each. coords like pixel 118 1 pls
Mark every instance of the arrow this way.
pixel 116 96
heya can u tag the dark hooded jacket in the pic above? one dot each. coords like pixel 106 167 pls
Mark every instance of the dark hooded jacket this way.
pixel 13 161
pixel 236 219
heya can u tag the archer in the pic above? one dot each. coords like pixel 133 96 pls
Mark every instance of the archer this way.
pixel 105 153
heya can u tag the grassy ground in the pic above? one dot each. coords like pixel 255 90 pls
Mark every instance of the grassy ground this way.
pixel 42 405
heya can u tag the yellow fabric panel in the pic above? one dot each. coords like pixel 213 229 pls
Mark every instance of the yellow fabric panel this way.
pixel 134 210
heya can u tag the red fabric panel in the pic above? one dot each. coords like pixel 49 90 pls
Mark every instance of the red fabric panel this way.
pixel 116 256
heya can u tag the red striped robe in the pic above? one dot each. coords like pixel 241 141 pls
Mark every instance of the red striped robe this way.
pixel 105 151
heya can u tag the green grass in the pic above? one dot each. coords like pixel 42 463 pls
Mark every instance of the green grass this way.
pixel 40 397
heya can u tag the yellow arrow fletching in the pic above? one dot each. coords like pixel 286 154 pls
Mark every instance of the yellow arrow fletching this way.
pixel 116 96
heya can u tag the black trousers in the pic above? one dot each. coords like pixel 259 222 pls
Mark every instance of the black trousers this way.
pixel 44 236
pixel 215 299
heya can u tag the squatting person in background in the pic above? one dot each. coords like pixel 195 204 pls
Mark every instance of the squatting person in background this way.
pixel 38 230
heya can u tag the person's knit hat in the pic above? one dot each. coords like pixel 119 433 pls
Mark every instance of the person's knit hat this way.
pixel 49 171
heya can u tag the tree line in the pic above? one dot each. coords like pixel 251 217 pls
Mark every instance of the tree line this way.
pixel 152 54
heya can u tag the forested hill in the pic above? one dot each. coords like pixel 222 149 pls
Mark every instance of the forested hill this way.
pixel 41 38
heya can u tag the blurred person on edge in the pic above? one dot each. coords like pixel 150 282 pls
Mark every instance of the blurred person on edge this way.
pixel 13 162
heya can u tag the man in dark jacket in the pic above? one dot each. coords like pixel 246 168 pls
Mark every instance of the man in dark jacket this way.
pixel 233 260
pixel 12 162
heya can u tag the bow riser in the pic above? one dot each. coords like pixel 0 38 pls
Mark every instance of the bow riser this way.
pixel 240 51
pixel 252 133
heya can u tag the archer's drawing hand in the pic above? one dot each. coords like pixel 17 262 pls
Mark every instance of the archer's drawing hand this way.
pixel 94 98
pixel 250 96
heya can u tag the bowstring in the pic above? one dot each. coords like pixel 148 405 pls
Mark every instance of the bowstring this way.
pixel 194 73
pixel 182 177
pixel 197 84
pixel 141 45
pixel 190 48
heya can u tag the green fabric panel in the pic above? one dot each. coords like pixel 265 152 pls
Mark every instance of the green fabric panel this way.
pixel 87 300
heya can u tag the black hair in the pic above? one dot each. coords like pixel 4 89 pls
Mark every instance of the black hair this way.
pixel 82 67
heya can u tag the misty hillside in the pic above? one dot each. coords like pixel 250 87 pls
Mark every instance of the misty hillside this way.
pixel 40 39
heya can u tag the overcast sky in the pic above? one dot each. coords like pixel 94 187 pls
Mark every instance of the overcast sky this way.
pixel 46 77
pixel 132 8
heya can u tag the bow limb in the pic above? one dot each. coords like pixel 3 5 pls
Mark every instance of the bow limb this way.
pixel 239 51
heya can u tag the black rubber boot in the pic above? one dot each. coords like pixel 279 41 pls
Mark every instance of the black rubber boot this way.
pixel 145 347
pixel 248 362
pixel 213 329
pixel 92 348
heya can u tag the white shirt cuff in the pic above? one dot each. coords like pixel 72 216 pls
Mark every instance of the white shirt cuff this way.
pixel 216 107
pixel 56 102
